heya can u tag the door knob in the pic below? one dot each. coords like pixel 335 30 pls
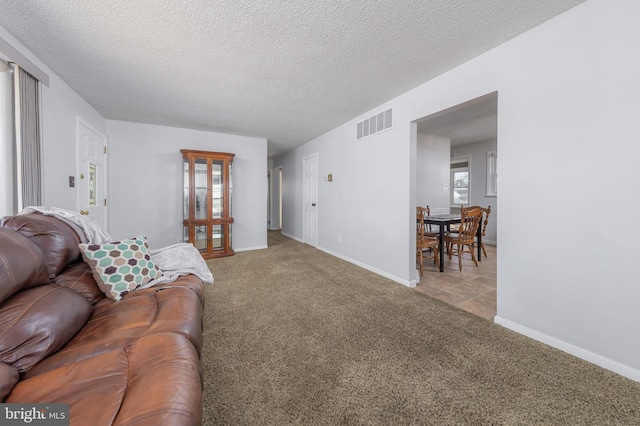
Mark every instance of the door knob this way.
pixel 84 212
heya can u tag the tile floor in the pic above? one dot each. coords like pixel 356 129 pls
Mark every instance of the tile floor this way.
pixel 473 289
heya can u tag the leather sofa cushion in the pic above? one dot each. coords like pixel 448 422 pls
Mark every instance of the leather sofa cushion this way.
pixel 191 282
pixel 8 378
pixel 57 240
pixel 155 380
pixel 37 322
pixel 145 312
pixel 22 264
pixel 79 277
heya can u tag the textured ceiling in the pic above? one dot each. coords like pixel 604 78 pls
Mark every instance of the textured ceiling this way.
pixel 287 71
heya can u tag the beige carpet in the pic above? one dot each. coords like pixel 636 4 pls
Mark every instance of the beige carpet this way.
pixel 295 336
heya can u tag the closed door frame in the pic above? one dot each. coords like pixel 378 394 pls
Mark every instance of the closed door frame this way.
pixel 98 150
pixel 310 200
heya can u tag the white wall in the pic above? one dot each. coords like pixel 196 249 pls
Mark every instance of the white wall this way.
pixel 61 107
pixel 433 158
pixel 145 182
pixel 359 211
pixel 567 140
pixel 569 98
pixel 478 181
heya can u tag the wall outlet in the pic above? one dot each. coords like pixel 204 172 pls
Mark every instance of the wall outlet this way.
pixel 339 238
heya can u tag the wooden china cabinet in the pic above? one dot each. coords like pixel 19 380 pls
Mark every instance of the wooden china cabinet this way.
pixel 207 201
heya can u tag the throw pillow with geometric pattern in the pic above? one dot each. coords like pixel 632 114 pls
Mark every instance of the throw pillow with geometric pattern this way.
pixel 120 267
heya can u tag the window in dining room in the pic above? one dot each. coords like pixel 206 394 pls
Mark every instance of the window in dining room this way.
pixel 492 174
pixel 459 182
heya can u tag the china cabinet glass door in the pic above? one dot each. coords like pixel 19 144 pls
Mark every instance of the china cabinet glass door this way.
pixel 207 201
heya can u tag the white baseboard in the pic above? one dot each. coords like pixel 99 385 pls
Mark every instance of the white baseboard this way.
pixel 292 237
pixel 249 248
pixel 392 277
pixel 591 357
pixel 399 280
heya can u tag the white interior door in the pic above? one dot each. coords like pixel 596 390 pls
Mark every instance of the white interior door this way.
pixel 277 215
pixel 275 199
pixel 91 179
pixel 310 220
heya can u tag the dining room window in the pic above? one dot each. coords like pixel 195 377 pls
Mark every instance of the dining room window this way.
pixel 459 182
pixel 492 174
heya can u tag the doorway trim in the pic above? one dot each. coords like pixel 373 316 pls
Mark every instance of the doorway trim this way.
pixel 274 213
pixel 455 109
pixel 310 200
pixel 102 177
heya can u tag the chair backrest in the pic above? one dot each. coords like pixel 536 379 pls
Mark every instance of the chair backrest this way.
pixel 427 212
pixel 487 212
pixel 421 214
pixel 470 221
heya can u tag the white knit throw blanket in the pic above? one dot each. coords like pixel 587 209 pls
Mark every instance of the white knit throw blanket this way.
pixel 88 231
pixel 180 259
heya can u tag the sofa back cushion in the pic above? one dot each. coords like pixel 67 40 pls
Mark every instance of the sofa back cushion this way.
pixel 22 264
pixel 79 277
pixel 57 240
pixel 35 323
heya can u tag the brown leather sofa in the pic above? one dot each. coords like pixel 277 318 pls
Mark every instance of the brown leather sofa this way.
pixel 135 361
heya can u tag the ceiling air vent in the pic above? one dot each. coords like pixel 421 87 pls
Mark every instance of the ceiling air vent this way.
pixel 376 123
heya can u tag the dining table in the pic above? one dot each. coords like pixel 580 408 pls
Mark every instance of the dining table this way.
pixel 444 221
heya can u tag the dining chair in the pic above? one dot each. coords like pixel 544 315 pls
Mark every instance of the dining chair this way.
pixel 470 218
pixel 427 227
pixel 486 211
pixel 424 242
